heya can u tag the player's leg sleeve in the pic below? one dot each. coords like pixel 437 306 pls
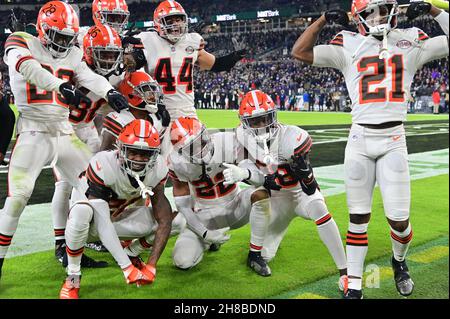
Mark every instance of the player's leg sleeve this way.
pixel 328 230
pixel 77 232
pixel 32 151
pixel 281 215
pixel 188 250
pixel 259 223
pixel 60 208
pixel 107 233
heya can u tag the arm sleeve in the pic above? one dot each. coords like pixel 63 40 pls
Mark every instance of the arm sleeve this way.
pixel 31 70
pixel 443 20
pixel 184 205
pixel 432 49
pixel 331 55
pixel 92 81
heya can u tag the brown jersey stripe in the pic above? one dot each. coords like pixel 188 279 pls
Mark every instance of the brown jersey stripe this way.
pixel 90 174
pixel 111 128
pixel 112 121
pixel 305 147
pixel 114 126
pixel 21 60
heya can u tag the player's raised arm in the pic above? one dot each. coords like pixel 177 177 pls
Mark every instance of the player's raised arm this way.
pixel 417 9
pixel 321 55
pixel 207 61
pixel 163 215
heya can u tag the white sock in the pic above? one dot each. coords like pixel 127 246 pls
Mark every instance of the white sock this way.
pixel 9 219
pixel 259 222
pixel 357 246
pixel 400 242
pixel 137 247
pixel 329 234
pixel 60 208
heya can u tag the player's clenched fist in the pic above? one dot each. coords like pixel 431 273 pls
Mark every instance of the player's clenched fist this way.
pixel 117 101
pixel 74 97
pixel 417 9
pixel 337 16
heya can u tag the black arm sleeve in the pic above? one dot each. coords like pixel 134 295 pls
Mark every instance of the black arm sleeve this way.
pixel 99 191
pixel 7 121
pixel 227 62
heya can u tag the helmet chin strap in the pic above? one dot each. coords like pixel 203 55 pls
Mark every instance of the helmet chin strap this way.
pixel 145 192
pixel 384 54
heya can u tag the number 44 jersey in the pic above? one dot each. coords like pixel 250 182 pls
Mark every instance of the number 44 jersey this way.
pixel 380 88
pixel 172 66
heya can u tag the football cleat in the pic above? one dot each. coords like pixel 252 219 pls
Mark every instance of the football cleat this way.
pixel 343 283
pixel 70 288
pixel 353 294
pixel 86 262
pixel 214 247
pixel 258 264
pixel 60 251
pixel 97 246
pixel 403 281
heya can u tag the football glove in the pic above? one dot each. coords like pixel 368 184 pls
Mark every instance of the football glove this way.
pixel 117 101
pixel 218 236
pixel 163 115
pixel 149 273
pixel 133 275
pixel 74 97
pixel 337 16
pixel 234 174
pixel 301 169
pixel 270 182
pixel 417 9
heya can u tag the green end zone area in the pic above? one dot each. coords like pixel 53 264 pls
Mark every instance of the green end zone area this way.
pixel 302 267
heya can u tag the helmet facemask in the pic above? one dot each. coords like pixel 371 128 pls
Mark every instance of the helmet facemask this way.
pixel 59 42
pixel 151 95
pixel 199 149
pixel 263 126
pixel 133 166
pixel 173 30
pixel 379 17
pixel 106 59
pixel 116 19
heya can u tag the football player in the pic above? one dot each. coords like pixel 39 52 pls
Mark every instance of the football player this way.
pixel 112 178
pixel 209 206
pixel 169 55
pixel 113 13
pixel 102 52
pixel 42 70
pixel 145 102
pixel 378 64
pixel 279 155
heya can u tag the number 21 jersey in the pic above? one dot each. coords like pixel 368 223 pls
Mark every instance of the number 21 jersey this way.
pixel 379 88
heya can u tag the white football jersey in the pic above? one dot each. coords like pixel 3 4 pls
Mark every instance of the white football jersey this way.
pixel 206 181
pixel 289 141
pixel 380 88
pixel 34 103
pixel 105 170
pixel 172 65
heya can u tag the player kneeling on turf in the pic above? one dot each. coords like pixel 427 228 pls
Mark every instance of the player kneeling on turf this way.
pixel 279 153
pixel 136 169
pixel 210 206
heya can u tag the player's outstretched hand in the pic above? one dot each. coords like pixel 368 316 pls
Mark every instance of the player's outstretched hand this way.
pixel 234 174
pixel 117 101
pixel 218 236
pixel 163 115
pixel 417 9
pixel 337 16
pixel 74 97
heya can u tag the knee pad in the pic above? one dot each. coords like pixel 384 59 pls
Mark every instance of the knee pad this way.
pixel 355 170
pixel 63 187
pixel 80 216
pixel 397 162
pixel 178 224
pixel 316 209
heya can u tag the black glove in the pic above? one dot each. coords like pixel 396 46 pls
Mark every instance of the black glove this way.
pixel 309 186
pixel 270 182
pixel 74 97
pixel 240 54
pixel 117 101
pixel 198 27
pixel 417 9
pixel 163 115
pixel 337 16
pixel 301 169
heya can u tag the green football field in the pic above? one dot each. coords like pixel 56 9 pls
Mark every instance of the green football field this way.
pixel 302 267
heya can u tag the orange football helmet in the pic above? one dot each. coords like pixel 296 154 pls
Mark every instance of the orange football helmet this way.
pixel 171 21
pixel 142 91
pixel 192 140
pixel 102 49
pixel 139 147
pixel 258 115
pixel 374 17
pixel 57 27
pixel 113 13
